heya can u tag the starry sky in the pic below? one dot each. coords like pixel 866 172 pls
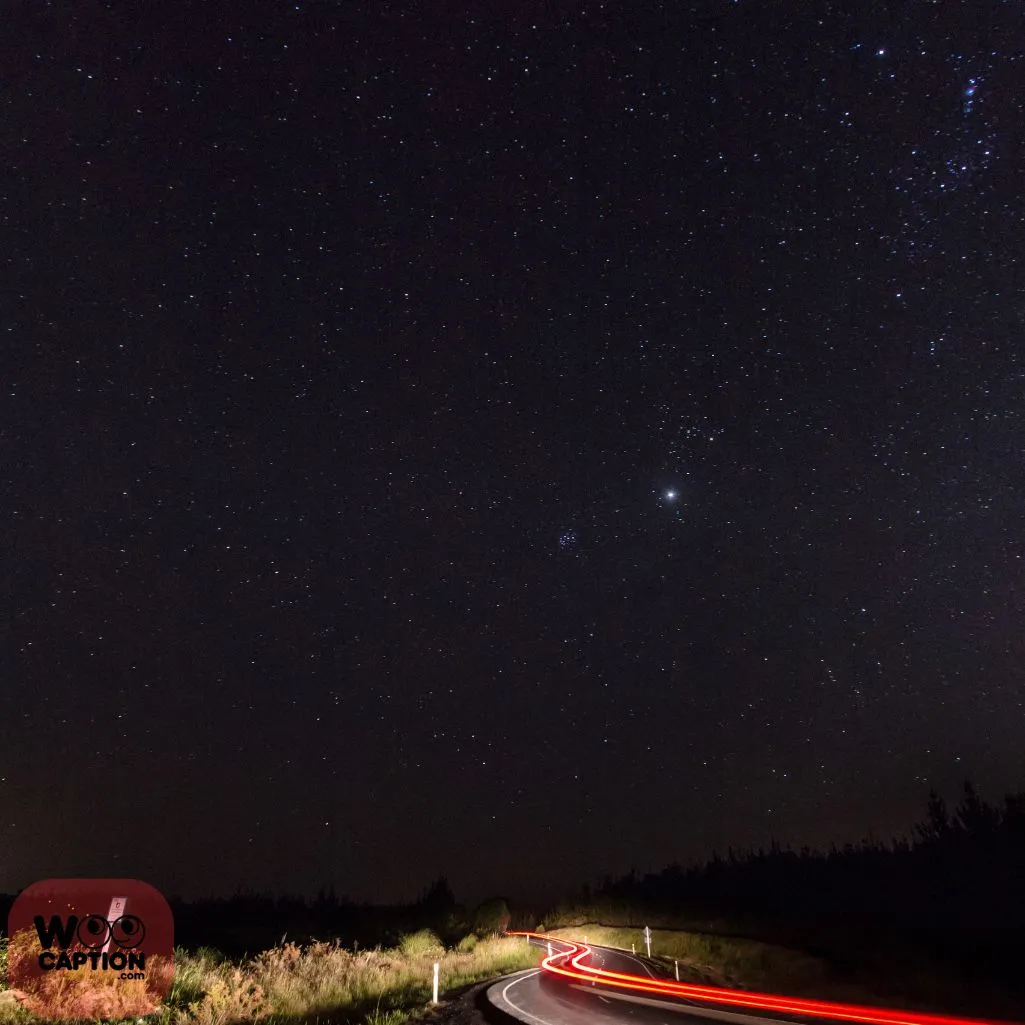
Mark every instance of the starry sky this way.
pixel 520 442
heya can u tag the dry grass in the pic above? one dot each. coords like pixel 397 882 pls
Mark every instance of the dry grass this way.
pixel 81 993
pixel 290 985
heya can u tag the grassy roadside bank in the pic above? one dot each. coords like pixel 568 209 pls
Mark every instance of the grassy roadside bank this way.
pixel 903 982
pixel 289 985
pixel 715 960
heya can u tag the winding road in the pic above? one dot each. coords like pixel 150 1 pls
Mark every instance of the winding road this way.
pixel 586 984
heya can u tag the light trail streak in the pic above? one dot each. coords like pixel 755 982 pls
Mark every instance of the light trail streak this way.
pixel 570 964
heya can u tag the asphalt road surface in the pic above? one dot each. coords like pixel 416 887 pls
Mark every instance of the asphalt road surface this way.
pixel 537 998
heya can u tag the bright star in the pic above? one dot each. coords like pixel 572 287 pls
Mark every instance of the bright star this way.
pixel 670 496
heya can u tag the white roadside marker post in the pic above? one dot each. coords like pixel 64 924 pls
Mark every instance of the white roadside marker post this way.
pixel 633 948
pixel 647 939
pixel 549 948
pixel 435 981
pixel 117 909
pixel 676 964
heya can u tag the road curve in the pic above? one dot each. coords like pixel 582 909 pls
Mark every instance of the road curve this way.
pixel 536 997
pixel 580 984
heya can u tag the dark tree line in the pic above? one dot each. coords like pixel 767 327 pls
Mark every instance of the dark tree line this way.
pixel 955 889
pixel 248 922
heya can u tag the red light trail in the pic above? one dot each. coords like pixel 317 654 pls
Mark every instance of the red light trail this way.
pixel 570 964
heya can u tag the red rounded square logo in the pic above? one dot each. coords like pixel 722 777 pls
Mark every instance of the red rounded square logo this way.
pixel 90 948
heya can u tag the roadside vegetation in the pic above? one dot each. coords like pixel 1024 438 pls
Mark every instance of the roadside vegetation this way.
pixel 930 920
pixel 769 968
pixel 296 984
pixel 716 960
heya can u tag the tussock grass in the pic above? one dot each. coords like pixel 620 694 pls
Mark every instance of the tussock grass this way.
pixel 421 944
pixel 293 985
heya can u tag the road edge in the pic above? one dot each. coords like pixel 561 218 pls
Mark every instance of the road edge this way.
pixel 487 1005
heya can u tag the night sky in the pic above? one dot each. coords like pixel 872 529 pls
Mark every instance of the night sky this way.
pixel 512 441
